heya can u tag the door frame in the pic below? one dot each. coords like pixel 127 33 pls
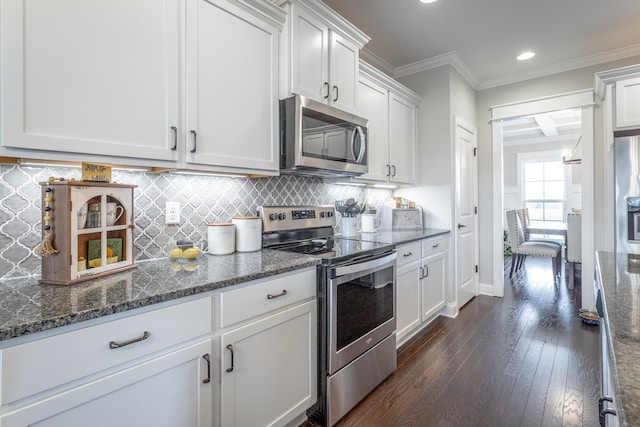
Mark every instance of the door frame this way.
pixel 583 99
pixel 460 123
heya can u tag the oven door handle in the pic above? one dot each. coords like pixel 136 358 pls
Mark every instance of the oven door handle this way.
pixel 365 266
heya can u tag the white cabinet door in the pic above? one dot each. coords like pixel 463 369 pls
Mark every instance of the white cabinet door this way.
pixel 269 368
pixel 310 57
pixel 402 140
pixel 166 391
pixel 343 73
pixel 433 282
pixel 627 101
pixel 90 76
pixel 373 104
pixel 232 87
pixel 407 300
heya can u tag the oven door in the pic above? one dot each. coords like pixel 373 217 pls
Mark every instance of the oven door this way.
pixel 362 311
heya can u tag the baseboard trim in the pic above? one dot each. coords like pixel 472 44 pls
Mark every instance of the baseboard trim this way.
pixel 450 310
pixel 485 289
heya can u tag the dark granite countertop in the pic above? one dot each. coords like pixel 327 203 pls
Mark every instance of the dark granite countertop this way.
pixel 620 281
pixel 27 307
pixel 398 237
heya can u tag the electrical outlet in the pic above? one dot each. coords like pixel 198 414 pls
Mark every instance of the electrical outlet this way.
pixel 172 213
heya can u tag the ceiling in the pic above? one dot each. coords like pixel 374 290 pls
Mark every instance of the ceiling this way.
pixel 555 127
pixel 482 38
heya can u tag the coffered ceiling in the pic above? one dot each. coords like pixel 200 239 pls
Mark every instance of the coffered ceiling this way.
pixel 557 126
pixel 482 38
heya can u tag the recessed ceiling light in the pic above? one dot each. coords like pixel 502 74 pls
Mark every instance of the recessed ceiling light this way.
pixel 525 55
pixel 428 1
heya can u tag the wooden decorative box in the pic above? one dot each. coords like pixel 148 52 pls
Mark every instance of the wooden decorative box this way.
pixel 92 226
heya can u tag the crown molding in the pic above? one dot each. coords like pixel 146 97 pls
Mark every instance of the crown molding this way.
pixel 560 67
pixel 604 78
pixel 452 58
pixel 373 59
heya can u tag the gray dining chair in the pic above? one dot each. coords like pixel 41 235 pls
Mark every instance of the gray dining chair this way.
pixel 525 219
pixel 522 248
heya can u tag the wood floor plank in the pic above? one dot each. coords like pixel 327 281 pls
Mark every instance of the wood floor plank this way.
pixel 522 360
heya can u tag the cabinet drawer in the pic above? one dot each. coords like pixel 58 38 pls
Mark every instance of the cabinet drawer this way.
pixel 408 253
pixel 434 246
pixel 244 303
pixel 50 362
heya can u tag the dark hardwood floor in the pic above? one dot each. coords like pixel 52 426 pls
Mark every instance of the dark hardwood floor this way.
pixel 523 360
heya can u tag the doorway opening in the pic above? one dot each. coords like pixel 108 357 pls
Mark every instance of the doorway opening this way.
pixel 505 119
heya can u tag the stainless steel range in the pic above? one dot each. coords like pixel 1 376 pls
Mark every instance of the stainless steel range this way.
pixel 356 297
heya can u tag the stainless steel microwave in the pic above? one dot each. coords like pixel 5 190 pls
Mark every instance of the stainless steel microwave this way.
pixel 320 140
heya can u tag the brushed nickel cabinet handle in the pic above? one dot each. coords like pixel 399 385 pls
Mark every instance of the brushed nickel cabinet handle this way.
pixel 174 131
pixel 436 245
pixel 388 170
pixel 326 85
pixel 421 273
pixel 335 89
pixel 208 359
pixel 230 348
pixel 407 254
pixel 283 293
pixel 394 170
pixel 195 141
pixel 118 344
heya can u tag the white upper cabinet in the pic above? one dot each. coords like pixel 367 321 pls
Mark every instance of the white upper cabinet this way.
pixel 392 130
pixel 627 103
pixel 373 104
pixel 320 54
pixel 174 83
pixel 402 139
pixel 232 87
pixel 90 76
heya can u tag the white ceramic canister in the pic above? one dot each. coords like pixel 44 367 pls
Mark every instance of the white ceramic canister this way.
pixel 349 226
pixel 221 238
pixel 248 233
pixel 368 223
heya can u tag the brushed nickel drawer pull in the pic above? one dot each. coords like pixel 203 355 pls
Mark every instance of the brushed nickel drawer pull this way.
pixel 118 344
pixel 407 254
pixel 230 348
pixel 208 359
pixel 195 141
pixel 436 245
pixel 283 293
pixel 174 130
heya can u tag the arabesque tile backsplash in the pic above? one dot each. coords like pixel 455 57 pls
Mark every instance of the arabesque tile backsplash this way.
pixel 203 199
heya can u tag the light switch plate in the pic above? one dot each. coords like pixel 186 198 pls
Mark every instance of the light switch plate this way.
pixel 172 213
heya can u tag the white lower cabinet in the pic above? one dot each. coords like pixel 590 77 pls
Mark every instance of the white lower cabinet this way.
pixel 432 284
pixel 408 307
pixel 421 281
pixel 268 357
pixel 148 369
pixel 168 390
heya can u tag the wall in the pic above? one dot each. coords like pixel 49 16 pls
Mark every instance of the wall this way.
pixel 445 95
pixel 560 83
pixel 203 200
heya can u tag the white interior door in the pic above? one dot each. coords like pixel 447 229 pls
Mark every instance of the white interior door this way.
pixel 466 235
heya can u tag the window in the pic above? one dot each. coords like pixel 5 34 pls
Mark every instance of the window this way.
pixel 544 192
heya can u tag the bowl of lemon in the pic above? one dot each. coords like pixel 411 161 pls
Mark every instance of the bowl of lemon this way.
pixel 184 250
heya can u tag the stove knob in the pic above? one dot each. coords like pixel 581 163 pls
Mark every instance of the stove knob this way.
pixel 329 214
pixel 273 217
pixel 282 216
pixel 322 214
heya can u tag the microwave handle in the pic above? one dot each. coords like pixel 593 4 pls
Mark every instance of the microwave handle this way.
pixel 358 131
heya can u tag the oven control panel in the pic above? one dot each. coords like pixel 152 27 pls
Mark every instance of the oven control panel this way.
pixel 279 218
